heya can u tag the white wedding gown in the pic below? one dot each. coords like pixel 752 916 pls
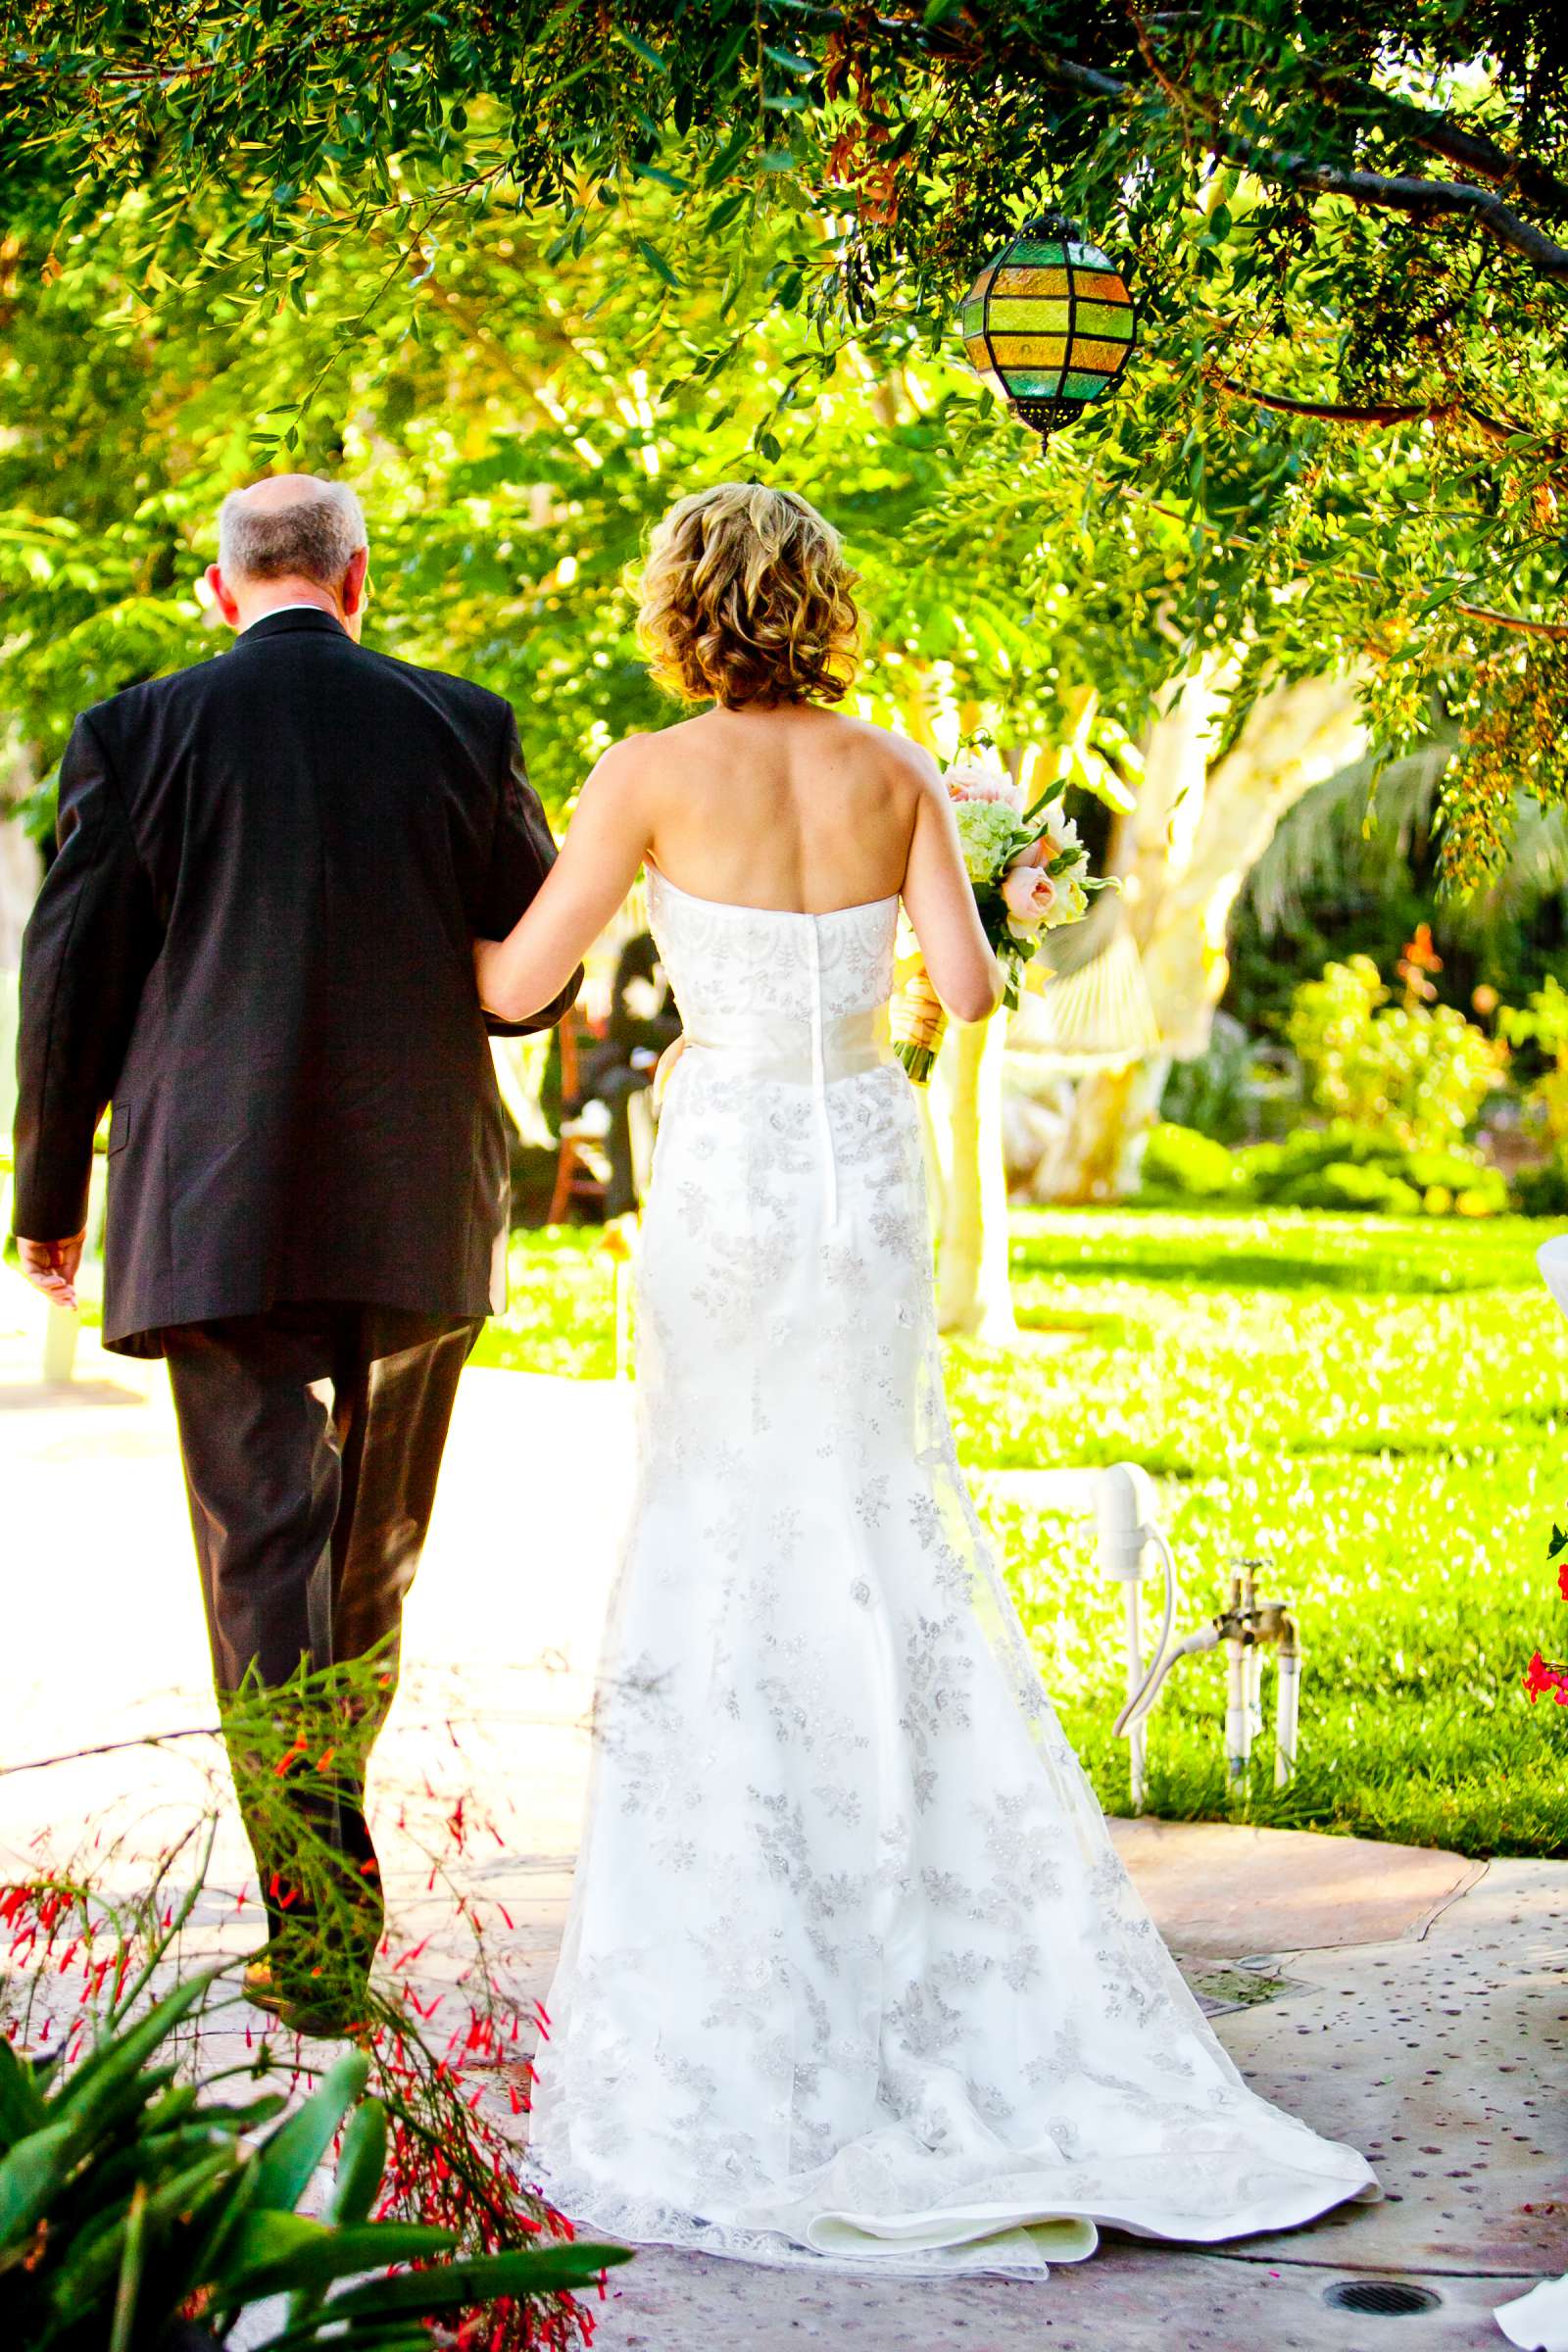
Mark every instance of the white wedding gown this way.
pixel 852 1968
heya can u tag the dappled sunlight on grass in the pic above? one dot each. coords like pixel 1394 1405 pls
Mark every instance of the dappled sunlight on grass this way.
pixel 561 1316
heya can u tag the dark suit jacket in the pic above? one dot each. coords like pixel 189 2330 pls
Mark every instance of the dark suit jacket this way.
pixel 256 941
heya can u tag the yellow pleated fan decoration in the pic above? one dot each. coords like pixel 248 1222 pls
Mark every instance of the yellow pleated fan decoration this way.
pixel 1099 1016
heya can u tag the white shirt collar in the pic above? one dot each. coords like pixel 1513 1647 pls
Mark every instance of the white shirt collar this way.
pixel 298 605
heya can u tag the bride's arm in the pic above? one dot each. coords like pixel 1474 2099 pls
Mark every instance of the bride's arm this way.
pixel 939 900
pixel 605 842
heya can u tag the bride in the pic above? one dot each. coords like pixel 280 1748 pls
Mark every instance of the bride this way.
pixel 852 1969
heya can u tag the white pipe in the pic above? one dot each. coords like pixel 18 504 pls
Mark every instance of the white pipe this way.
pixel 1237 1721
pixel 1141 1696
pixel 1134 1683
pixel 1254 1697
pixel 1287 1715
pixel 1205 1638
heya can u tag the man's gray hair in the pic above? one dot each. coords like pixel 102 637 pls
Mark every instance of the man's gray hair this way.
pixel 313 538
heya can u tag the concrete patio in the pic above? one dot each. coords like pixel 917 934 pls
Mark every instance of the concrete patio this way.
pixel 1411 2002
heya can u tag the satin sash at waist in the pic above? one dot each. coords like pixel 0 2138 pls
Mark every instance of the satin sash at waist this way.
pixel 792 1048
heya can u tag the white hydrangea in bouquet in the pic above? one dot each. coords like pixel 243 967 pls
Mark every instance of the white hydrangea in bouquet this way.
pixel 1030 873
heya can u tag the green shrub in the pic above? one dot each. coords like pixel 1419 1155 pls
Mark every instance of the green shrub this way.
pixel 1543 1191
pixel 1349 1184
pixel 1213 1093
pixel 1420 1071
pixel 1343 1166
pixel 1178 1159
pixel 1544 1023
pixel 1456 1184
pixel 1266 1167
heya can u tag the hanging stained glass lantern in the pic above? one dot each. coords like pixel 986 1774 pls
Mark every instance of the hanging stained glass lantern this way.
pixel 1049 323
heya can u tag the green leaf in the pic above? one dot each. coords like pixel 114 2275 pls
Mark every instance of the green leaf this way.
pixel 32 2177
pixel 22 2109
pixel 127 2287
pixel 290 2154
pixel 93 2261
pixel 286 2253
pixel 656 262
pixel 362 2160
pixel 790 61
pixel 728 156
pixel 119 2058
pixel 478 2279
pixel 665 179
pixel 730 50
pixel 642 49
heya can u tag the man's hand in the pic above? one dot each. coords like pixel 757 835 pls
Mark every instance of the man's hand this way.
pixel 51 1267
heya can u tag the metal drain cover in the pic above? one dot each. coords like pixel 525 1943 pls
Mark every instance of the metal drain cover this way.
pixel 1382 2299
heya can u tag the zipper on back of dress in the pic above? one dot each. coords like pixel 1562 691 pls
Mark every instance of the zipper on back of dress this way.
pixel 825 1124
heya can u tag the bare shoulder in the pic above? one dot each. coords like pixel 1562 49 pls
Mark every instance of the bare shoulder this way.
pixel 898 760
pixel 913 766
pixel 624 769
pixel 639 761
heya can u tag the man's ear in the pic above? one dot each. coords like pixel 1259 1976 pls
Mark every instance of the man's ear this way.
pixel 353 589
pixel 221 596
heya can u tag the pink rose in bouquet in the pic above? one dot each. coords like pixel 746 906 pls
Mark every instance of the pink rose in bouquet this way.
pixel 1028 890
pixel 969 783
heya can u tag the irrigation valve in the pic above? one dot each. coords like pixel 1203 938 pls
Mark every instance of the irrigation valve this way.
pixel 1246 1626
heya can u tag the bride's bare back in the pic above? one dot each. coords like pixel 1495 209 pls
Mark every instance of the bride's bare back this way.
pixel 792 808
pixel 796 809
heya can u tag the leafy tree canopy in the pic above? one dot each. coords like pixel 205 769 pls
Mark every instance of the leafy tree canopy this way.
pixel 1342 440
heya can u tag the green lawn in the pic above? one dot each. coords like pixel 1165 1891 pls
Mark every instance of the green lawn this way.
pixel 1377 1406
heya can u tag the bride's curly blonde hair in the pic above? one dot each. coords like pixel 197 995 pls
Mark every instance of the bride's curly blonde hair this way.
pixel 747 598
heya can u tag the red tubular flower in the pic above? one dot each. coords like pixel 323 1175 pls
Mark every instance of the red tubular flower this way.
pixel 1540 1678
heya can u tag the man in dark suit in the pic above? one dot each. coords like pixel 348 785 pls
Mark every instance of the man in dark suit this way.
pixel 255 943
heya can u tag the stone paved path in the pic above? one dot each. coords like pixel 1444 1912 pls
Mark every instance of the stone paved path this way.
pixel 1407 2001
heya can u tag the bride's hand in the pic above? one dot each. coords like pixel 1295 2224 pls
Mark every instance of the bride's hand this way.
pixel 665 1071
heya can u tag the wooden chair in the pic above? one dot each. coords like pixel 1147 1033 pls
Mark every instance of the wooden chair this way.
pixel 582 1171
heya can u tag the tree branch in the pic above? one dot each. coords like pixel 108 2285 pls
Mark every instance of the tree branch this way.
pixel 1473 150
pixel 1557 629
pixel 1380 413
pixel 1402 193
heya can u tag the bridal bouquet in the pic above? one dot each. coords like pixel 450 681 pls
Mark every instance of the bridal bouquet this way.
pixel 1031 875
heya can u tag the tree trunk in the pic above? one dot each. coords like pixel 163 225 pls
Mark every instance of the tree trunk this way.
pixel 1184 854
pixel 974 1293
pixel 1101 1154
